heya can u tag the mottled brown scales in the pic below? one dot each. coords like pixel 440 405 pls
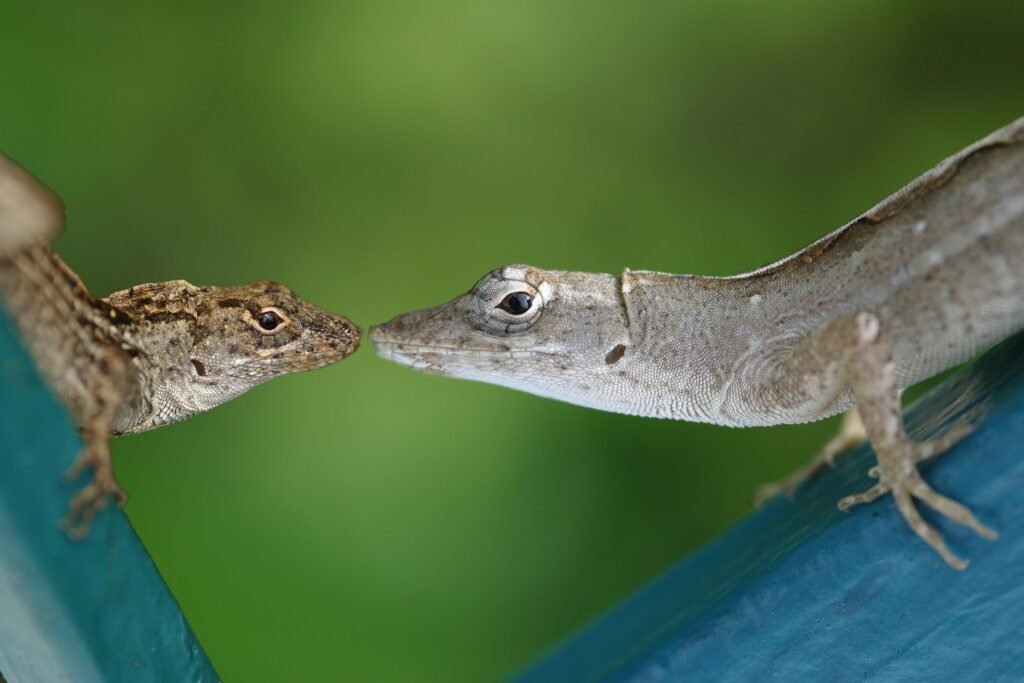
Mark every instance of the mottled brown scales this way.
pixel 150 354
pixel 923 281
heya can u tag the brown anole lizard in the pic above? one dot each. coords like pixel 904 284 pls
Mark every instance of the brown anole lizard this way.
pixel 148 355
pixel 920 283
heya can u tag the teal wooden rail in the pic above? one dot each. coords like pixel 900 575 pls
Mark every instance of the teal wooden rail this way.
pixel 796 591
pixel 802 592
pixel 93 610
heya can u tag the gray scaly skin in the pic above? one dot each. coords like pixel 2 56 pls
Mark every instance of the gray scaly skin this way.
pixel 920 283
pixel 148 355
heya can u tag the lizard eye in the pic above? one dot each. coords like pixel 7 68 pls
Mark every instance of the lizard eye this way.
pixel 508 305
pixel 516 303
pixel 270 320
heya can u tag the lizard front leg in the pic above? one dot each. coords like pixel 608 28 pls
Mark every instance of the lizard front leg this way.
pixel 96 430
pixel 852 355
pixel 872 375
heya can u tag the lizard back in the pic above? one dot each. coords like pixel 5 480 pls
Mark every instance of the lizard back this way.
pixel 939 264
pixel 943 271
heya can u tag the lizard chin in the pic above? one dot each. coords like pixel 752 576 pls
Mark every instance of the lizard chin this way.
pixel 476 359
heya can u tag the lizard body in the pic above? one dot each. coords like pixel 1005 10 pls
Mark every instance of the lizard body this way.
pixel 148 355
pixel 920 283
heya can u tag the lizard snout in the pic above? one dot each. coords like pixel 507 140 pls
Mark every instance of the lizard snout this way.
pixel 342 339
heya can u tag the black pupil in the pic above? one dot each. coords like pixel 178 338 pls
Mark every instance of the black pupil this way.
pixel 268 320
pixel 517 303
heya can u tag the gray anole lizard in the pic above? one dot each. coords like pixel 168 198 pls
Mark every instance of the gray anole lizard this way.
pixel 148 355
pixel 920 283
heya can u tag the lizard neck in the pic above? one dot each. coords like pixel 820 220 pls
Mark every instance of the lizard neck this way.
pixel 692 340
pixel 175 380
pixel 170 384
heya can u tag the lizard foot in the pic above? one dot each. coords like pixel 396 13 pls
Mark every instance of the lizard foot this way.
pixel 851 432
pixel 93 498
pixel 897 474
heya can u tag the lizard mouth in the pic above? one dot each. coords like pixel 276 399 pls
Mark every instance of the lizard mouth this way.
pixel 317 359
pixel 415 356
pixel 430 357
pixel 384 341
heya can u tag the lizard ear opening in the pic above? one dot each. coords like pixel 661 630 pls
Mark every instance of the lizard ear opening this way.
pixel 615 355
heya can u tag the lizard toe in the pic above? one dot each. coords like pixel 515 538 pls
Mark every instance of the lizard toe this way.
pixel 950 508
pixel 925 531
pixel 872 494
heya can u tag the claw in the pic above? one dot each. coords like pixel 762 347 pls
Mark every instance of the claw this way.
pixel 871 495
pixel 924 530
pixel 929 449
pixel 88 502
pixel 905 484
pixel 952 509
pixel 85 460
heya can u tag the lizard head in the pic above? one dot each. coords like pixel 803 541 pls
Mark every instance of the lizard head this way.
pixel 552 333
pixel 260 330
pixel 209 344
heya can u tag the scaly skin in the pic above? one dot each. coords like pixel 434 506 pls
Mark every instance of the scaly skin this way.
pixel 148 355
pixel 922 282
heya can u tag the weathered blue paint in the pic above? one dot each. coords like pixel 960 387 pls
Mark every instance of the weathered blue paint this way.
pixel 94 610
pixel 801 591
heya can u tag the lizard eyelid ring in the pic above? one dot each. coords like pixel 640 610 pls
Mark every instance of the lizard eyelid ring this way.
pixel 508 306
pixel 270 320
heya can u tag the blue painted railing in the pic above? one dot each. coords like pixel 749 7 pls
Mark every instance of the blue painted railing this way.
pixel 799 591
pixel 85 611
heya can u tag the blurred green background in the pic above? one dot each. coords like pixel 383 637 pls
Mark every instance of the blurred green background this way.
pixel 368 523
